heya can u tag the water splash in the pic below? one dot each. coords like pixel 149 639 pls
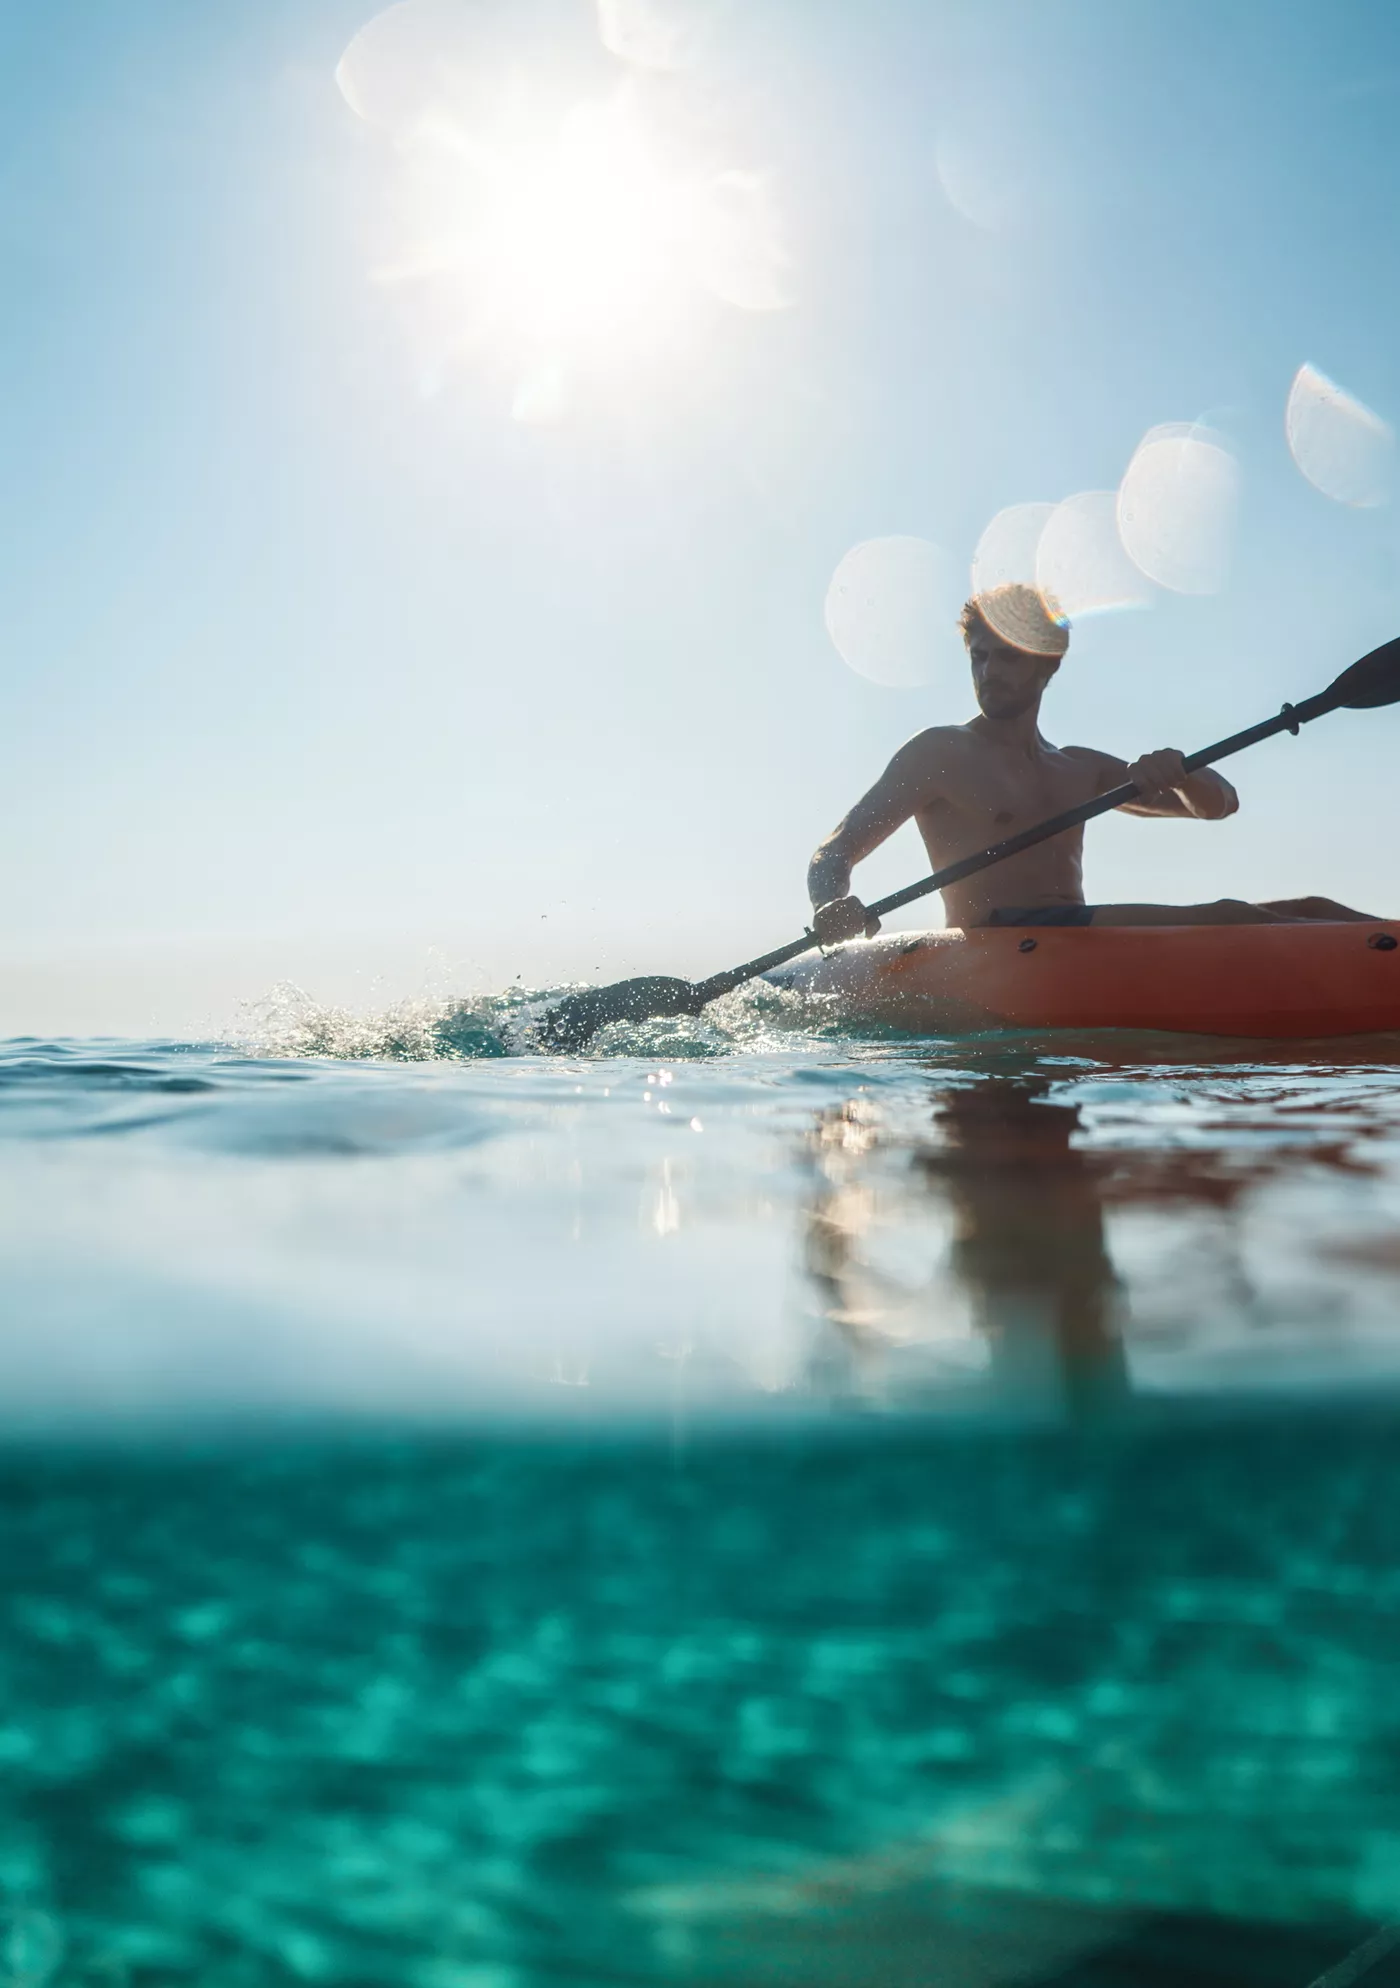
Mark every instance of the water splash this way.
pixel 289 1022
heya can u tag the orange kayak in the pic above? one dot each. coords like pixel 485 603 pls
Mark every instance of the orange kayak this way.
pixel 1234 980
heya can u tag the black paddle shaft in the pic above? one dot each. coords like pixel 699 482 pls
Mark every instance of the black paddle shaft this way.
pixel 1287 720
pixel 1373 681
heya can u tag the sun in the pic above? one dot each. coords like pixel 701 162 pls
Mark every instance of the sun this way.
pixel 575 243
pixel 583 237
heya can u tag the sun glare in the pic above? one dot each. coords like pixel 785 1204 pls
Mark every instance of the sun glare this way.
pixel 566 240
pixel 582 235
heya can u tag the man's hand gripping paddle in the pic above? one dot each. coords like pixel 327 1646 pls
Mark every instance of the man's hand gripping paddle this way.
pixel 1366 686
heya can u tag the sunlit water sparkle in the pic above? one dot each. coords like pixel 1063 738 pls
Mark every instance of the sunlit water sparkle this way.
pixel 751 1503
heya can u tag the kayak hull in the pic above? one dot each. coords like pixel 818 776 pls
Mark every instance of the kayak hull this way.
pixel 1267 981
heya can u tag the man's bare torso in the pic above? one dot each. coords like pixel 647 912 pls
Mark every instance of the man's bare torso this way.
pixel 975 792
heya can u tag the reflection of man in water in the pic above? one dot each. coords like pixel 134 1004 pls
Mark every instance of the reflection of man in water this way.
pixel 1030 1244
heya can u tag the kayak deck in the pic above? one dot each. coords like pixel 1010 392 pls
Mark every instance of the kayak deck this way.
pixel 1267 981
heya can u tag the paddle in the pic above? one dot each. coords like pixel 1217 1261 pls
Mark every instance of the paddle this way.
pixel 1367 685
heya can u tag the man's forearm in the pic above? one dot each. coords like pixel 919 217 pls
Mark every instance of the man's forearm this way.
pixel 1208 796
pixel 828 875
pixel 1166 788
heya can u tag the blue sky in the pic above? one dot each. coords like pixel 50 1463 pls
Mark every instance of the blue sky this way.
pixel 320 664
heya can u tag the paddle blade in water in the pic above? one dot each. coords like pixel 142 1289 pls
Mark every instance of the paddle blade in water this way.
pixel 580 1016
pixel 1374 681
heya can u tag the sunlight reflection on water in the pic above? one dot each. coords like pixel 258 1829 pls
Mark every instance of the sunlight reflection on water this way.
pixel 948 1227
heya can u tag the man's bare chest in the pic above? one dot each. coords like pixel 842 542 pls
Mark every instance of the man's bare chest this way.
pixel 999 797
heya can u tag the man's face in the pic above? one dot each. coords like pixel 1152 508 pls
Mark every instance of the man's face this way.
pixel 1006 681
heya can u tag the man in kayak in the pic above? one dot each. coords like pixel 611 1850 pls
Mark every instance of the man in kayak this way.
pixel 968 786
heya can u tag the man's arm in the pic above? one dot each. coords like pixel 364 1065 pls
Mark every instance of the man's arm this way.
pixel 908 783
pixel 1165 787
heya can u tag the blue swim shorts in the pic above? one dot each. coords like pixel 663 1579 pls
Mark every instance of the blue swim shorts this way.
pixel 1044 914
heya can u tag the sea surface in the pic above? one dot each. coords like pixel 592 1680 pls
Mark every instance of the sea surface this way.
pixel 748 1505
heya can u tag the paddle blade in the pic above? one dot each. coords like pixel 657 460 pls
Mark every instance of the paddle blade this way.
pixel 1374 681
pixel 580 1016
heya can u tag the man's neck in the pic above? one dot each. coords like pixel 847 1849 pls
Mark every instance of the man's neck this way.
pixel 1018 736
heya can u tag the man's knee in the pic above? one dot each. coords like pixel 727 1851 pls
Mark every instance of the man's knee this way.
pixel 1324 908
pixel 1327 907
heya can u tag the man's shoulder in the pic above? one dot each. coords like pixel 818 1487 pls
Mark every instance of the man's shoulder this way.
pixel 936 741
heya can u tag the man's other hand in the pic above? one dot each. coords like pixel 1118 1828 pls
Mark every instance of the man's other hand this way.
pixel 844 918
pixel 1158 774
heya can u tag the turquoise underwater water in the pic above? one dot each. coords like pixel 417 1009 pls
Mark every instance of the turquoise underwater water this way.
pixel 748 1505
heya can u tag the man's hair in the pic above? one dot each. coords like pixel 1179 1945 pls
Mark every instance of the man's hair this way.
pixel 1020 616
